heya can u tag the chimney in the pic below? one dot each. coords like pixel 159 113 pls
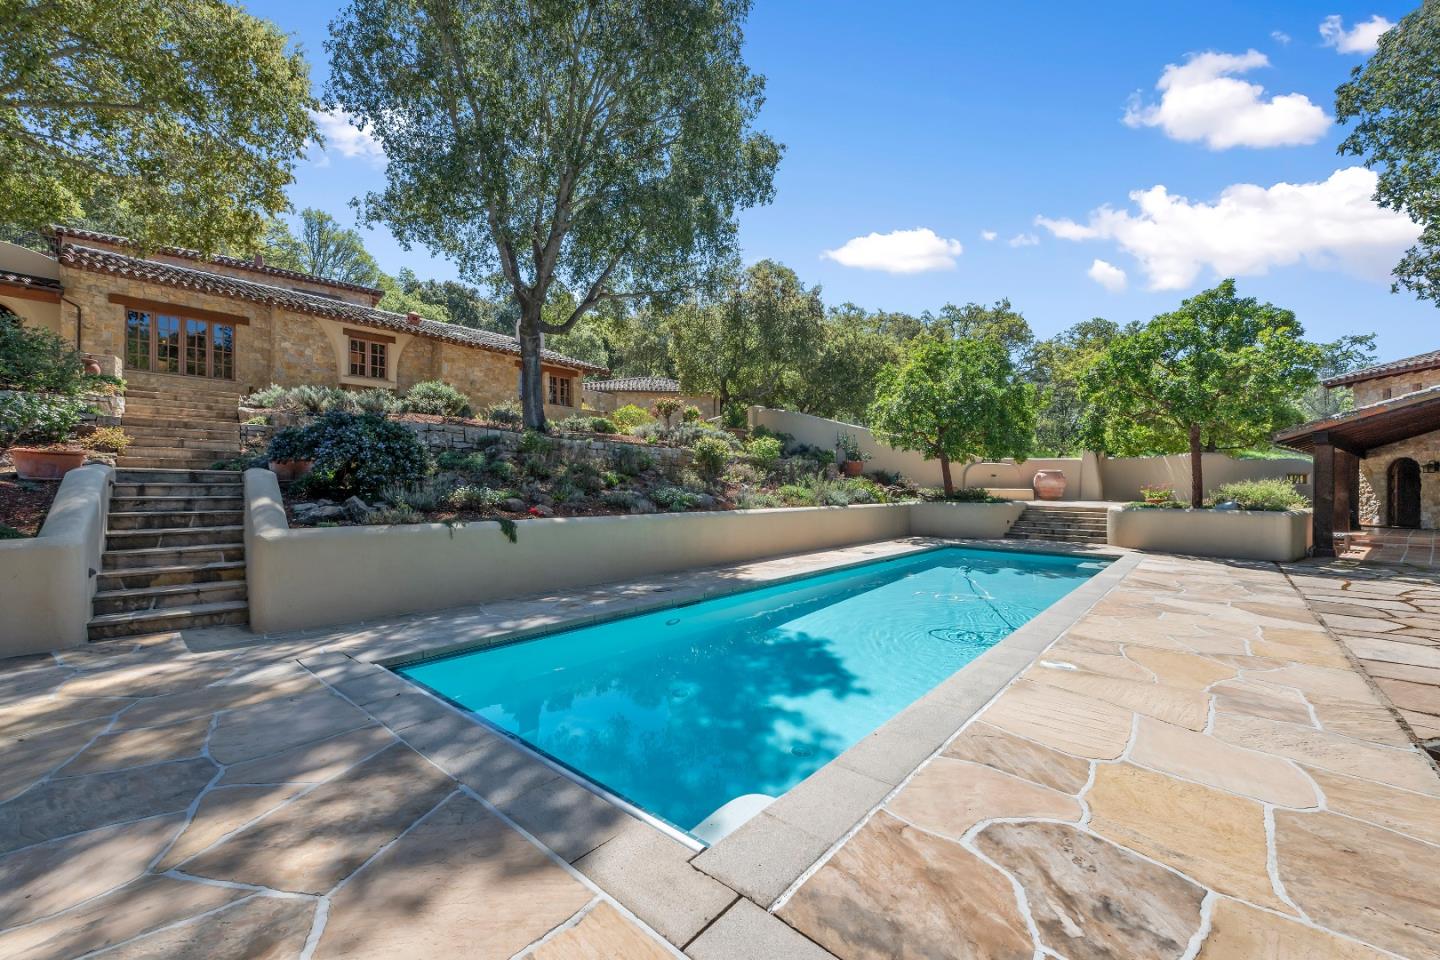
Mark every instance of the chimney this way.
pixel 412 318
pixel 259 260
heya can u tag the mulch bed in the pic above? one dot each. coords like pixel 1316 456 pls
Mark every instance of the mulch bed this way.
pixel 24 503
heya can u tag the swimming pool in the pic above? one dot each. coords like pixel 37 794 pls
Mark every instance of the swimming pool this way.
pixel 731 701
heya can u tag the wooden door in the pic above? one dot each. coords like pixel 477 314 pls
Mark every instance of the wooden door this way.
pixel 1404 493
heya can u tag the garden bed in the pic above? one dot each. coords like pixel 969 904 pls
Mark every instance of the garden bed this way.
pixel 24 504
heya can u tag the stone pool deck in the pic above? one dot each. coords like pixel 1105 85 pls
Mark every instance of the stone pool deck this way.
pixel 1196 768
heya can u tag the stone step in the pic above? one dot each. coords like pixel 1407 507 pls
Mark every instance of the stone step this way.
pixel 145 392
pixel 228 490
pixel 125 475
pixel 170 575
pixel 110 625
pixel 193 460
pixel 230 499
pixel 174 537
pixel 173 520
pixel 1058 525
pixel 168 597
pixel 1066 512
pixel 131 422
pixel 156 447
pixel 167 432
pixel 1056 537
pixel 193 556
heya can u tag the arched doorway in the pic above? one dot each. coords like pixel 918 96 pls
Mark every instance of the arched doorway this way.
pixel 1403 487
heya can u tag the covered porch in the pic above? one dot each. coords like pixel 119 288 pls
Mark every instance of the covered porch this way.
pixel 1400 487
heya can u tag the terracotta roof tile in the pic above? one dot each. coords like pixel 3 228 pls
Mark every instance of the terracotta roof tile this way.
pixel 26 280
pixel 636 384
pixel 234 262
pixel 95 260
pixel 1421 361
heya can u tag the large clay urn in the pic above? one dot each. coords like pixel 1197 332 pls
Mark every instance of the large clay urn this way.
pixel 1049 484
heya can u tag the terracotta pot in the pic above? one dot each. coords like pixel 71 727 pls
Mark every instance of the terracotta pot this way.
pixel 1049 484
pixel 853 468
pixel 31 464
pixel 287 471
pixel 92 366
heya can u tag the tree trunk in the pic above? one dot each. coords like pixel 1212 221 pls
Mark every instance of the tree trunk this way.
pixel 532 379
pixel 945 475
pixel 1197 481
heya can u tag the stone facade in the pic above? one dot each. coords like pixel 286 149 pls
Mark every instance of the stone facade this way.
pixel 1375 391
pixel 1374 471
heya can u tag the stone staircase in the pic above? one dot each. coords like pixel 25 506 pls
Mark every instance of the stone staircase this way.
pixel 179 423
pixel 1063 523
pixel 174 553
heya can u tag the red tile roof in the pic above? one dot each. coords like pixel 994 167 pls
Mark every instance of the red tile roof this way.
pixel 26 280
pixel 78 257
pixel 635 384
pixel 234 262
pixel 1421 361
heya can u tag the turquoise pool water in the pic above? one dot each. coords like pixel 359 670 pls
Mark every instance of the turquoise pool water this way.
pixel 682 710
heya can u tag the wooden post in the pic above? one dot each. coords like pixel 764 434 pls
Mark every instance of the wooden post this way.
pixel 1323 515
pixel 1347 481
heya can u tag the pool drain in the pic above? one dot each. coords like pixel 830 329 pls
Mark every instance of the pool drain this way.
pixel 953 635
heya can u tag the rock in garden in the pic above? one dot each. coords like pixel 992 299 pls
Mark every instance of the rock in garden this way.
pixel 643 505
pixel 356 508
pixel 514 505
pixel 541 510
pixel 331 512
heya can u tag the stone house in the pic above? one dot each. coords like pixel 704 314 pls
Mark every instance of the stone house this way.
pixel 179 321
pixel 609 395
pixel 1399 482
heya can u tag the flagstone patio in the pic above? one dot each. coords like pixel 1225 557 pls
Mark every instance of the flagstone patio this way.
pixel 1196 768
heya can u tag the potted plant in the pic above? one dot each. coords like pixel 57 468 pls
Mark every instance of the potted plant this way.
pixel 38 430
pixel 291 453
pixel 850 456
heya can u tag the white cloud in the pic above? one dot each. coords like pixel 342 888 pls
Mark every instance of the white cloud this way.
pixel 1201 99
pixel 899 251
pixel 988 235
pixel 1280 37
pixel 1023 240
pixel 1361 38
pixel 346 139
pixel 1250 229
pixel 1108 275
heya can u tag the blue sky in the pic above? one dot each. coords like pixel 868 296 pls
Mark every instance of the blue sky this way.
pixel 964 119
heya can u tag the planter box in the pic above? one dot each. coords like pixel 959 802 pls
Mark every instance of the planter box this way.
pixel 1231 534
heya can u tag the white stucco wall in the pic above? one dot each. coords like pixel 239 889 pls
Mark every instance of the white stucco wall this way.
pixel 1232 534
pixel 46 582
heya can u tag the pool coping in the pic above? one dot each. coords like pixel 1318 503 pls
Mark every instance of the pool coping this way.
pixel 766 855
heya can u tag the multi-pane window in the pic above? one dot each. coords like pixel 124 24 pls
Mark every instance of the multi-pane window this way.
pixel 560 391
pixel 165 343
pixel 367 359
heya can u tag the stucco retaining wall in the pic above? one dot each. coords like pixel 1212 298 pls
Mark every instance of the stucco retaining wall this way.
pixel 963 520
pixel 46 582
pixel 1232 534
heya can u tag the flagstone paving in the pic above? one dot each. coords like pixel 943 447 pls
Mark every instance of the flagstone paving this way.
pixel 1197 768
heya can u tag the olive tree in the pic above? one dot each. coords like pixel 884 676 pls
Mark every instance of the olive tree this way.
pixel 597 148
pixel 1221 372
pixel 181 119
pixel 955 400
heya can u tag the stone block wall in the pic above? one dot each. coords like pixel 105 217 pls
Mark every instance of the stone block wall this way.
pixel 1373 391
pixel 1374 473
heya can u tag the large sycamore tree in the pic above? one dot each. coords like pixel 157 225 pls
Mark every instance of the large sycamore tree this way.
pixel 1393 107
pixel 1221 372
pixel 954 401
pixel 180 119
pixel 592 148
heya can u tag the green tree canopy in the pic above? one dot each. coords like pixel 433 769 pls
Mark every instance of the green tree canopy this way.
pixel 748 344
pixel 1221 372
pixel 839 375
pixel 1392 102
pixel 1350 352
pixel 181 118
pixel 602 145
pixel 324 248
pixel 1000 321
pixel 956 400
pixel 1056 366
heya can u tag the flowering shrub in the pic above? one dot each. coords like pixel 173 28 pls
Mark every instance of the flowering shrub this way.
pixel 41 419
pixel 1157 495
pixel 354 454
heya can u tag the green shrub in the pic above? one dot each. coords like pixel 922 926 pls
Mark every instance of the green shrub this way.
pixel 711 456
pixel 690 414
pixel 267 399
pixel 292 443
pixel 257 421
pixel 764 452
pixel 502 470
pixel 963 495
pixel 628 417
pixel 685 434
pixel 538 454
pixel 31 418
pixel 507 414
pixel 8 532
pixel 622 499
pixel 674 499
pixel 35 360
pixel 1158 495
pixel 109 439
pixel 602 425
pixel 438 398
pixel 633 461
pixel 585 475
pixel 797 495
pixel 377 400
pixel 665 408
pixel 756 500
pixel 1272 494
pixel 314 399
pixel 395 515
pixel 427 495
pixel 361 454
pixel 471 497
pixel 735 416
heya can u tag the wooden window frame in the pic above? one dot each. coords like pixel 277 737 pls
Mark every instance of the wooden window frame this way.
pixel 561 391
pixel 371 347
pixel 183 319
